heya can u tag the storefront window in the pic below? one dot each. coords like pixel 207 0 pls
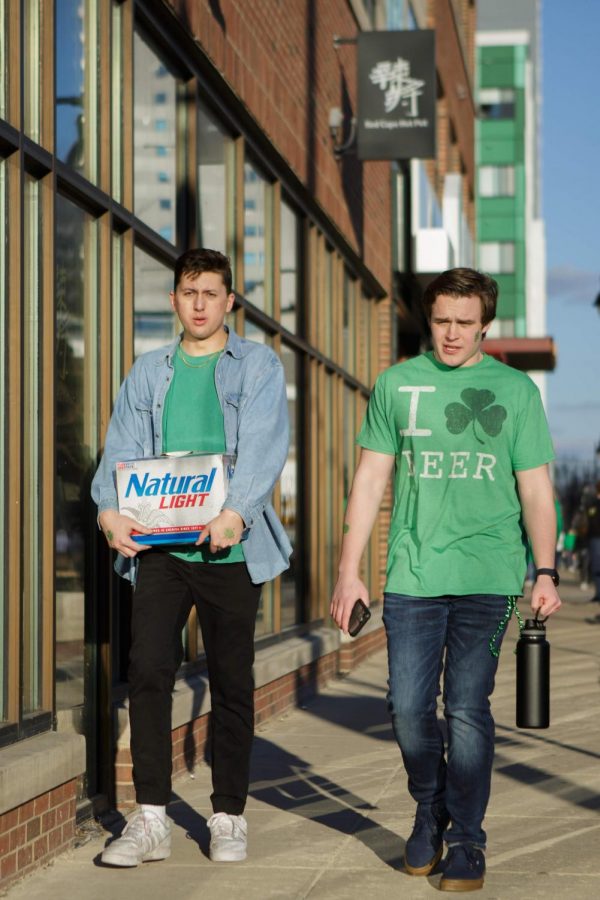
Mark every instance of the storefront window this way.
pixel 3 647
pixel 76 104
pixel 212 182
pixel 32 606
pixel 255 210
pixel 76 417
pixel 349 323
pixel 289 268
pixel 327 302
pixel 154 141
pixel 117 101
pixel 3 54
pixel 31 68
pixel 350 430
pixel 154 322
pixel 289 492
pixel 330 475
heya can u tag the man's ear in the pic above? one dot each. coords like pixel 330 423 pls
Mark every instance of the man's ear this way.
pixel 172 300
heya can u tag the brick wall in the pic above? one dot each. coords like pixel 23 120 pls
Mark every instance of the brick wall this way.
pixel 37 831
pixel 279 59
pixel 353 653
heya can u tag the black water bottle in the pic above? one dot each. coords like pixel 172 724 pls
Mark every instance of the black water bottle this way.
pixel 533 676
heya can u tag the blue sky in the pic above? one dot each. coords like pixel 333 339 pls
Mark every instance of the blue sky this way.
pixel 571 197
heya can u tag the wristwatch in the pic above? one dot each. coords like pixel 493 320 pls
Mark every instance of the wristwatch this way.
pixel 551 572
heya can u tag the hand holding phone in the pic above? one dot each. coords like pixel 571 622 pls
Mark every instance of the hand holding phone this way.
pixel 359 616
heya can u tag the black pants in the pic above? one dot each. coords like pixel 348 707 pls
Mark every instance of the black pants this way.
pixel 227 603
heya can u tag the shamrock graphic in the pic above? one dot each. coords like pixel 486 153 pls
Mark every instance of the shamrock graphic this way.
pixel 477 408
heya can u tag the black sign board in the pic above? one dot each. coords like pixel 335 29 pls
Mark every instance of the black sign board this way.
pixel 396 95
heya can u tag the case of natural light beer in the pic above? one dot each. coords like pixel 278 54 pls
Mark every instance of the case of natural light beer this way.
pixel 174 495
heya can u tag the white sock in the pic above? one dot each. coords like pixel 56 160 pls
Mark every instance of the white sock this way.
pixel 160 811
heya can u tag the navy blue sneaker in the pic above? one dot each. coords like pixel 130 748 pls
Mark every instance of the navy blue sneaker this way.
pixel 424 847
pixel 464 868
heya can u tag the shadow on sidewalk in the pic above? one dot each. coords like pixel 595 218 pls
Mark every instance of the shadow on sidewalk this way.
pixel 514 741
pixel 547 782
pixel 366 715
pixel 290 784
pixel 193 823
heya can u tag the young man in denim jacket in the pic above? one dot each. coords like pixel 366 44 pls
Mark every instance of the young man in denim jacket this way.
pixel 209 391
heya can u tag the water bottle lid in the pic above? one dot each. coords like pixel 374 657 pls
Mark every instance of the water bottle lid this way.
pixel 536 625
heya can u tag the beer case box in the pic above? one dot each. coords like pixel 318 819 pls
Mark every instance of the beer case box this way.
pixel 175 496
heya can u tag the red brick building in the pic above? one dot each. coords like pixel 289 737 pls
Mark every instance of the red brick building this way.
pixel 138 129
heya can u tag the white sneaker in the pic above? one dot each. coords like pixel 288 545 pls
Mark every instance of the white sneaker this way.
pixel 145 837
pixel 228 837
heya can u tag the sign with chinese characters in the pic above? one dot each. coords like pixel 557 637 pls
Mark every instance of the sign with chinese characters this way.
pixel 396 95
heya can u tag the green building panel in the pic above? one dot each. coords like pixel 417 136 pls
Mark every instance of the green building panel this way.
pixel 501 142
pixel 520 272
pixel 499 229
pixel 496 67
pixel 497 153
pixel 520 59
pixel 497 130
pixel 497 207
pixel 500 54
pixel 520 188
pixel 507 299
pixel 497 76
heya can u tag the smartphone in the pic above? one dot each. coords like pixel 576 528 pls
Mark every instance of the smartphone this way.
pixel 359 616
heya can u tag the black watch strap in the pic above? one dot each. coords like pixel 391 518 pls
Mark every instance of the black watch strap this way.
pixel 551 572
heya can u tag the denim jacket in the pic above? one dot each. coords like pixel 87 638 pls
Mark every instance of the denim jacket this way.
pixel 250 384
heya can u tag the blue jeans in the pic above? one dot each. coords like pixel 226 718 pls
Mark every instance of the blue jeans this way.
pixel 419 629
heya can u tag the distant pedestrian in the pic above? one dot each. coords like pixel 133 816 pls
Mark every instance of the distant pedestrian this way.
pixel 467 440
pixel 591 520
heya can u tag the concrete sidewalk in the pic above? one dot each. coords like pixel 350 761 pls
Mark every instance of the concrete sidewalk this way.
pixel 328 810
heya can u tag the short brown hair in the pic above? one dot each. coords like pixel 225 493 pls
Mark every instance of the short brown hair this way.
pixel 198 260
pixel 464 283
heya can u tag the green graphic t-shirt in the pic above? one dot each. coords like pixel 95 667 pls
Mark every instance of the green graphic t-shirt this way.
pixel 458 436
pixel 193 420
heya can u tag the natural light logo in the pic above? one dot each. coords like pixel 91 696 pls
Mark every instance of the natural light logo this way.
pixel 394 79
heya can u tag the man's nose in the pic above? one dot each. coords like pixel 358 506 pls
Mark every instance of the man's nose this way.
pixel 452 331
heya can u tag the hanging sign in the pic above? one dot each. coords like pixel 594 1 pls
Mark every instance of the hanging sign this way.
pixel 396 95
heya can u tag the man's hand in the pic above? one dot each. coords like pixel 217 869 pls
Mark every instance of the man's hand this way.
pixel 345 594
pixel 544 596
pixel 117 531
pixel 223 531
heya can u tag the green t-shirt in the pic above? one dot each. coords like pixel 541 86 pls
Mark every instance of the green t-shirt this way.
pixel 193 420
pixel 458 435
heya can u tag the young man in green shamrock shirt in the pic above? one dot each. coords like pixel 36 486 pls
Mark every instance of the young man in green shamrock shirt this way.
pixel 469 444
